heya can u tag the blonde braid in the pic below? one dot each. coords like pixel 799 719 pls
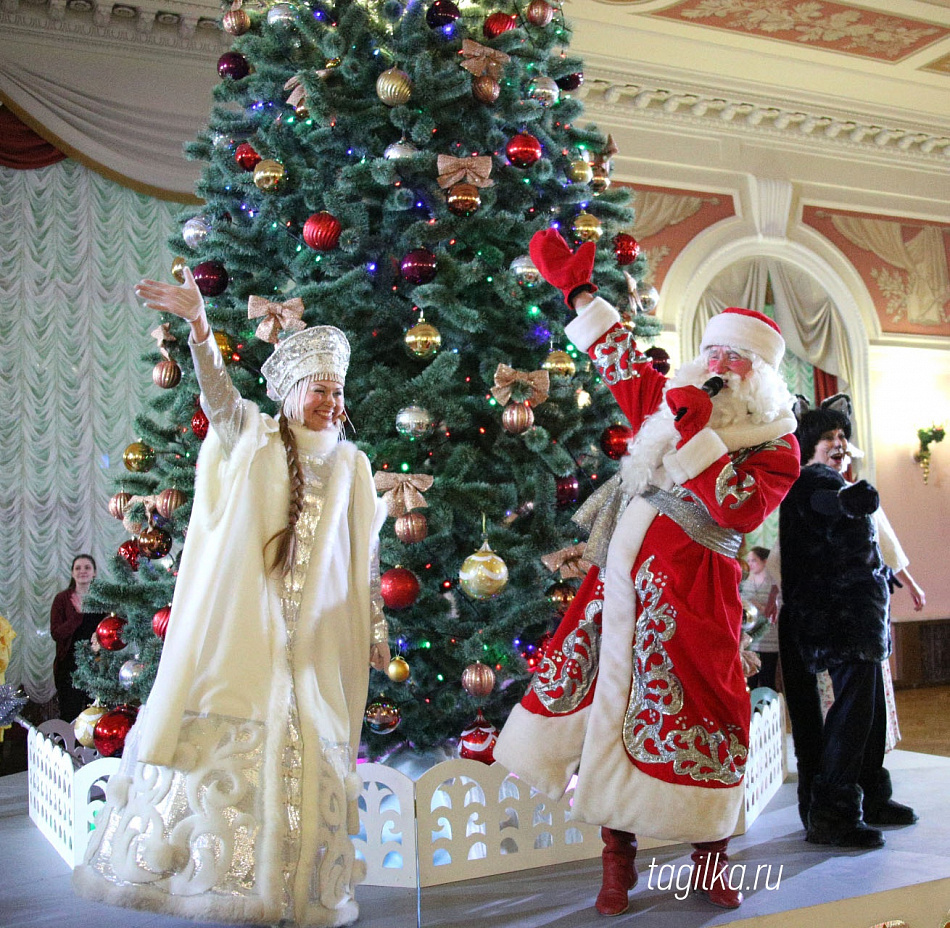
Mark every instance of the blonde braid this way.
pixel 286 538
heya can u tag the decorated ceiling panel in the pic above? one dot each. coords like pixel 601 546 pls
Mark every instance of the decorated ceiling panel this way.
pixel 835 27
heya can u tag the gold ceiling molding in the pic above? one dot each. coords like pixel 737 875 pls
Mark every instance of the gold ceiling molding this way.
pixel 616 97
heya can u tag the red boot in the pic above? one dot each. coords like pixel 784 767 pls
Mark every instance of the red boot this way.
pixel 711 874
pixel 620 871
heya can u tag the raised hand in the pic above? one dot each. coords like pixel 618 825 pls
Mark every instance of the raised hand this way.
pixel 184 301
pixel 569 271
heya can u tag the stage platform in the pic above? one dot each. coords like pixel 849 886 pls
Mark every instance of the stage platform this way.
pixel 799 885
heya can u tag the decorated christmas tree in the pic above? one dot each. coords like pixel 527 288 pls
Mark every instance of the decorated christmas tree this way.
pixel 381 167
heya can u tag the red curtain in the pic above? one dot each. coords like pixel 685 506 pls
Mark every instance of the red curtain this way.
pixel 825 385
pixel 21 148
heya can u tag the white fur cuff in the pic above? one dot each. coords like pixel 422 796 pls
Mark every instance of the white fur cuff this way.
pixel 695 456
pixel 591 322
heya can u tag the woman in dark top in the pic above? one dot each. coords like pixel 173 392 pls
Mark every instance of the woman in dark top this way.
pixel 69 624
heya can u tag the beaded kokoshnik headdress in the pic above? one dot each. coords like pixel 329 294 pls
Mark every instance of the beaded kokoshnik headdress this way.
pixel 321 352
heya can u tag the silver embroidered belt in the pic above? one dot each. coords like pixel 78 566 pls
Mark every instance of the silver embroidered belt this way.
pixel 695 521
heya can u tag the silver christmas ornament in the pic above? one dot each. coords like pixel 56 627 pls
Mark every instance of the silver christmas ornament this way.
pixel 195 231
pixel 524 270
pixel 414 422
pixel 399 150
pixel 280 14
pixel 129 672
pixel 544 91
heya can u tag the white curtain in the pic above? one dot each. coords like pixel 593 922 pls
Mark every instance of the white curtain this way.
pixel 656 211
pixel 812 326
pixel 72 341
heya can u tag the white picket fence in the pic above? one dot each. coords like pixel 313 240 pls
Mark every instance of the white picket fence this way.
pixel 458 821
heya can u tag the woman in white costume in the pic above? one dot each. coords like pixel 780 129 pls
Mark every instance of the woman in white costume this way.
pixel 237 791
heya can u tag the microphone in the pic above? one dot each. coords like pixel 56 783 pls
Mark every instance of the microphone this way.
pixel 711 387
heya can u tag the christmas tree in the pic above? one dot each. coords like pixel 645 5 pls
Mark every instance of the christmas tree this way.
pixel 386 164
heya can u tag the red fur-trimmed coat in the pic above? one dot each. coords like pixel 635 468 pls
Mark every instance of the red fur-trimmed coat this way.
pixel 641 690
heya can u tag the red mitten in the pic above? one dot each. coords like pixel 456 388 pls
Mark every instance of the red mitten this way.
pixel 692 408
pixel 569 271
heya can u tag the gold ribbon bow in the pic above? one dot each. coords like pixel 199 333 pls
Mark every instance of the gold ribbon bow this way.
pixel 471 170
pixel 163 336
pixel 277 316
pixel 298 91
pixel 480 59
pixel 570 561
pixel 506 377
pixel 149 502
pixel 402 492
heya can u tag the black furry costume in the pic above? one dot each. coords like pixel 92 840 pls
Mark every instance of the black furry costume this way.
pixel 834 617
pixel 834 582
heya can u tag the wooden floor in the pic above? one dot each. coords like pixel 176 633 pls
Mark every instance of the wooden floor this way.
pixel 924 718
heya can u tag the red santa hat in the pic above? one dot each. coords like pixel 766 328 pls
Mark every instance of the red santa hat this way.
pixel 747 330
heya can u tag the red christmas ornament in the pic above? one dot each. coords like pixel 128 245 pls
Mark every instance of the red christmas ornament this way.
pixel 614 441
pixel 540 12
pixel 411 527
pixel 246 157
pixel 166 374
pixel 477 741
pixel 523 150
pixel 399 588
pixel 129 552
pixel 517 418
pixel 154 543
pixel 659 358
pixel 497 23
pixel 626 248
pixel 199 424
pixel 442 13
pixel 160 621
pixel 109 632
pixel 168 501
pixel 567 490
pixel 321 231
pixel 478 680
pixel 233 65
pixel 419 266
pixel 117 505
pixel 570 81
pixel 111 730
pixel 211 278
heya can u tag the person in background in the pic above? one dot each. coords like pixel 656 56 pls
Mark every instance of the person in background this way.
pixel 641 689
pixel 68 624
pixel 759 590
pixel 238 789
pixel 834 617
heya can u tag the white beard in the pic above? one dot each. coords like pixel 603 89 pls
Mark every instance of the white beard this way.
pixel 761 397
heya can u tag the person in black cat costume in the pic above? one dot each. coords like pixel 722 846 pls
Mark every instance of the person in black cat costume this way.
pixel 835 617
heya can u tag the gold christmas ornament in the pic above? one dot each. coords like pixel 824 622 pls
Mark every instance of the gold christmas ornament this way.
pixel 178 269
pixel 236 22
pixel 394 87
pixel 559 364
pixel 268 174
pixel 483 574
pixel 517 418
pixel 138 457
pixel 85 724
pixel 580 172
pixel 423 340
pixel 224 346
pixel 478 680
pixel 398 670
pixel 587 227
pixel 560 595
pixel 485 89
pixel 601 178
pixel 166 374
pixel 411 528
pixel 463 199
